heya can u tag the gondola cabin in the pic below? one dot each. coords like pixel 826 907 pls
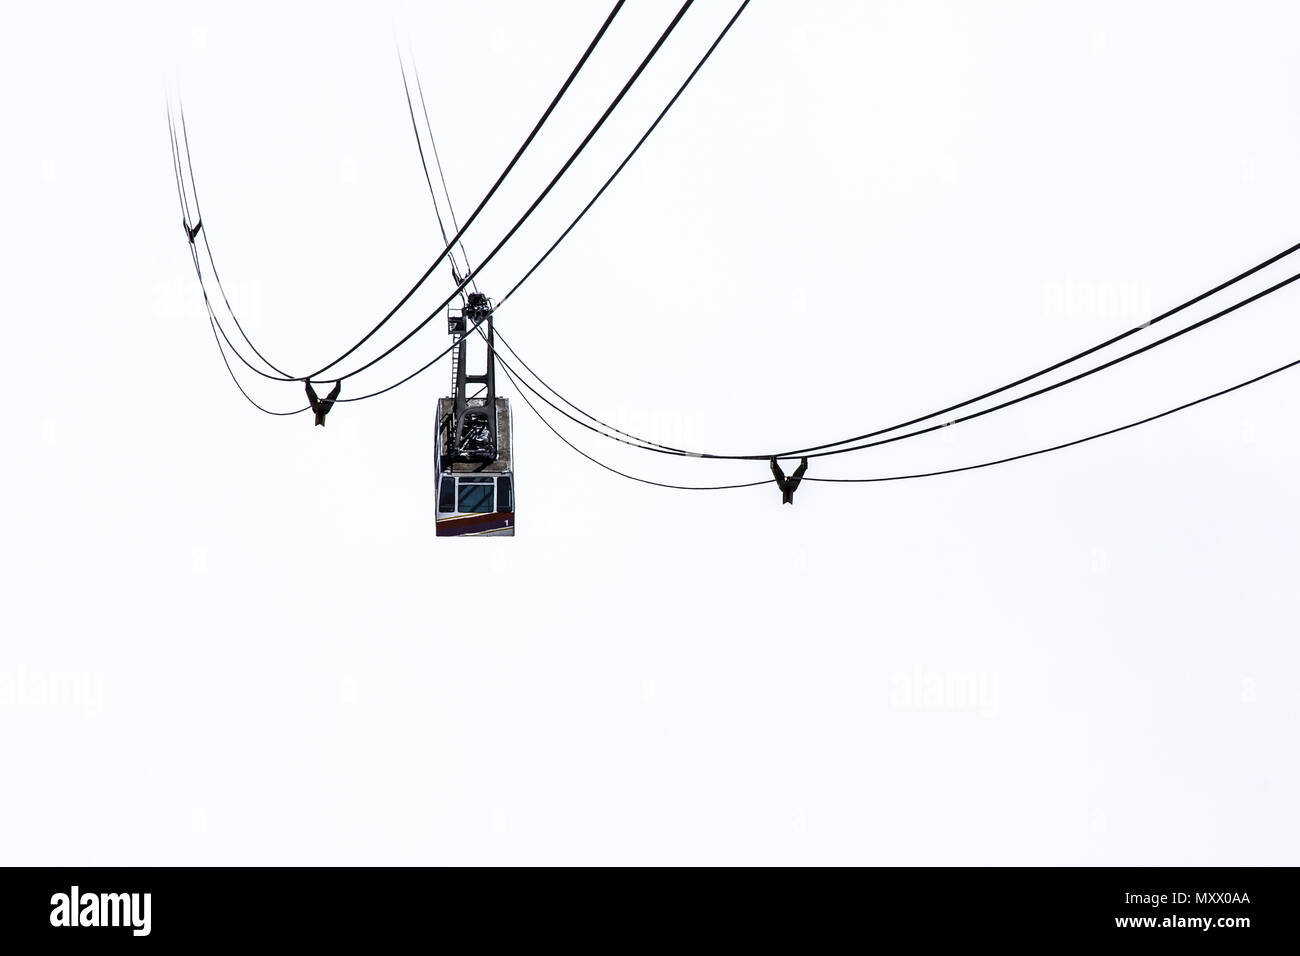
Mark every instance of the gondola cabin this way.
pixel 475 497
pixel 474 460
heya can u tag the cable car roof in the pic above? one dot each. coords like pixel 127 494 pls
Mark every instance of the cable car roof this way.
pixel 505 435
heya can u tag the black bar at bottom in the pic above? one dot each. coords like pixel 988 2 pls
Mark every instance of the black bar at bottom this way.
pixel 379 908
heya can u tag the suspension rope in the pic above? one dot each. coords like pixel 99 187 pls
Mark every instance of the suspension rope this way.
pixel 451 209
pixel 410 108
pixel 479 208
pixel 1077 441
pixel 636 74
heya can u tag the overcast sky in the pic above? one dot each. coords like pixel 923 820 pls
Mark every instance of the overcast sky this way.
pixel 232 638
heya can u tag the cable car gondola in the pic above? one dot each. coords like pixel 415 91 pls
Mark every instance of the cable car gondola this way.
pixel 473 449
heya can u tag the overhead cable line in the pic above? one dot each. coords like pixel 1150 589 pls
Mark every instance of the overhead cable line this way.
pixel 925 474
pixel 1070 444
pixel 1063 382
pixel 461 230
pixel 667 449
pixel 600 192
pixel 426 366
pixel 628 440
pixel 670 450
pixel 611 468
pixel 451 210
pixel 470 277
pixel 816 451
pixel 213 323
pixel 285 377
pixel 198 213
pixel 194 232
pixel 529 211
pixel 219 331
pixel 234 378
pixel 651 445
pixel 482 203
pixel 419 144
pixel 655 446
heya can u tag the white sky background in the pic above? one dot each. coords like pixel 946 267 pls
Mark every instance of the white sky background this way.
pixel 858 213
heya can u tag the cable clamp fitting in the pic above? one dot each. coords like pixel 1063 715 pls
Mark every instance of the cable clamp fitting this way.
pixel 788 485
pixel 321 407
